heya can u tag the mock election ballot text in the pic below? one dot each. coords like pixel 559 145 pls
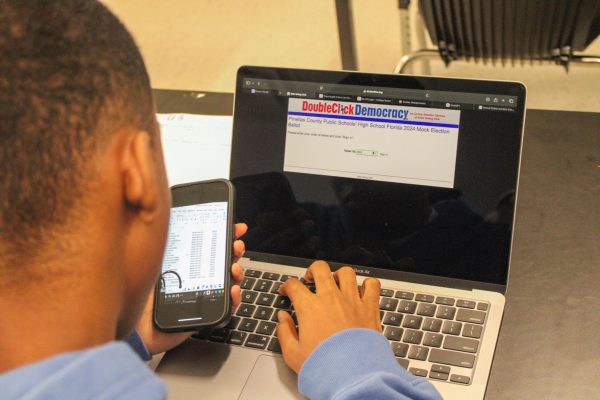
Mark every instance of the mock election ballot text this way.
pixel 370 141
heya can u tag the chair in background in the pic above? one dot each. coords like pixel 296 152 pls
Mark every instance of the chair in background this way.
pixel 508 31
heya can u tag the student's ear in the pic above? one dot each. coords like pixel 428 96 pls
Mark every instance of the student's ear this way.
pixel 141 177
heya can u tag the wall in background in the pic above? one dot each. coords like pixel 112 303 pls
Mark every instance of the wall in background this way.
pixel 199 44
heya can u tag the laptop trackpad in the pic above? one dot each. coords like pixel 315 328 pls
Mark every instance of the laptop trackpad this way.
pixel 270 379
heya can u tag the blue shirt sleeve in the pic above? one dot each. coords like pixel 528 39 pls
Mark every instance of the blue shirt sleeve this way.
pixel 110 371
pixel 359 364
pixel 137 344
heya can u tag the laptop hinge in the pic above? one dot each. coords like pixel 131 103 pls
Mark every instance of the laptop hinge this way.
pixel 462 284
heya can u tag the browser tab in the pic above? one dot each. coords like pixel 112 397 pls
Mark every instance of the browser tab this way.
pixel 380 95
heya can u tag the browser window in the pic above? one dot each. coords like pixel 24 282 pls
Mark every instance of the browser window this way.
pixel 377 142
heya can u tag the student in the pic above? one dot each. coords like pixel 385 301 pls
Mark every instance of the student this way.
pixel 84 208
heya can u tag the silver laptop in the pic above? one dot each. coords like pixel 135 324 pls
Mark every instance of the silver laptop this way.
pixel 412 180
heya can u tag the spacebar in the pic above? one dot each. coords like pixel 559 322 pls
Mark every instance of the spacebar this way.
pixel 451 358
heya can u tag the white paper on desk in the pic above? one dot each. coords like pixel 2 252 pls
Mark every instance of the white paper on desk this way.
pixel 196 147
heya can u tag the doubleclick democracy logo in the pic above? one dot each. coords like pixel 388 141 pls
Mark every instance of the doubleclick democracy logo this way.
pixel 355 109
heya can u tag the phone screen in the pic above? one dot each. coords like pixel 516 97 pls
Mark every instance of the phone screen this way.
pixel 194 260
pixel 192 285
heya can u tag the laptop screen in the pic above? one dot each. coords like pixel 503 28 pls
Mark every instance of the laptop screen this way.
pixel 398 173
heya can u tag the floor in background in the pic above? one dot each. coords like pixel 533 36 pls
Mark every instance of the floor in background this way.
pixel 199 44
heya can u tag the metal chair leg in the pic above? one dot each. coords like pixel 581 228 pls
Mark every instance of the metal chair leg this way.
pixel 409 58
pixel 580 59
pixel 586 59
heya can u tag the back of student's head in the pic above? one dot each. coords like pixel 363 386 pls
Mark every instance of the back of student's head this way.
pixel 70 74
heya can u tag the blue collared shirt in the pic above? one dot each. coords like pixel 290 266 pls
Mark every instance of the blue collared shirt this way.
pixel 357 364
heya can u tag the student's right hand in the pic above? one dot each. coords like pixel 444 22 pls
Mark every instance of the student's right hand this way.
pixel 338 304
pixel 157 341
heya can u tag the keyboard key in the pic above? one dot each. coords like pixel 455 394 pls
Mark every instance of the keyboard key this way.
pixel 444 369
pixel 460 379
pixel 461 344
pixel 418 353
pixel 412 321
pixel 263 285
pixel 248 296
pixel 465 303
pixel 248 283
pixel 252 273
pixel 427 310
pixel 448 301
pixel 432 325
pixel 272 276
pixel 411 336
pixel 218 335
pixel 202 334
pixel 433 339
pixel 472 316
pixel 282 302
pixel 445 312
pixel 418 372
pixel 452 327
pixel 263 313
pixel 472 331
pixel 257 341
pixel 248 325
pixel 245 310
pixel 233 322
pixel 399 349
pixel 388 304
pixel 310 285
pixel 427 298
pixel 392 318
pixel 407 306
pixel 400 294
pixel 440 356
pixel 403 362
pixel 265 299
pixel 274 317
pixel 266 328
pixel 393 333
pixel 438 375
pixel 237 338
pixel 286 277
pixel 274 346
pixel 482 306
pixel 386 292
pixel 275 287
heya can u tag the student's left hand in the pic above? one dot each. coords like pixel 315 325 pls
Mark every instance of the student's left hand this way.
pixel 157 341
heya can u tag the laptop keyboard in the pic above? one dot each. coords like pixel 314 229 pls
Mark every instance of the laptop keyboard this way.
pixel 430 335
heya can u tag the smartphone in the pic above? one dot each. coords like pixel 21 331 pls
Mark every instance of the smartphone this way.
pixel 192 291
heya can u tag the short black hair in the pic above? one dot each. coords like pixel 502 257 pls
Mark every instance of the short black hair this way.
pixel 70 73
